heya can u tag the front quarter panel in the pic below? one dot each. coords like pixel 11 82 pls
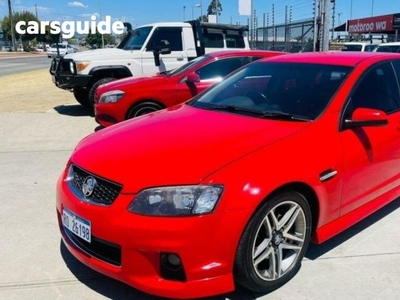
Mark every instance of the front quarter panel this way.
pixel 300 160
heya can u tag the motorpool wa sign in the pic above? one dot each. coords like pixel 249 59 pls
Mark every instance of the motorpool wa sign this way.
pixel 370 25
pixel 69 28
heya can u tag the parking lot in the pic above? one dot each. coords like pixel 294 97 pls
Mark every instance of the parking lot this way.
pixel 40 126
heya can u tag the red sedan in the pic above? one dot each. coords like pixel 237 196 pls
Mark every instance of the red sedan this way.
pixel 131 97
pixel 229 188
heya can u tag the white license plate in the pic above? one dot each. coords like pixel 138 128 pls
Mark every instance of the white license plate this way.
pixel 77 225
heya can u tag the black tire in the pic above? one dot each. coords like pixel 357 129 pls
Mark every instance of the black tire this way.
pixel 92 91
pixel 269 253
pixel 82 96
pixel 142 109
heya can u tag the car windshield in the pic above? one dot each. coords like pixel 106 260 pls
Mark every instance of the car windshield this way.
pixel 138 38
pixel 287 91
pixel 187 66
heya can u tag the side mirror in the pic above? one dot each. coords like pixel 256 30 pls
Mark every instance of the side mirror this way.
pixel 192 78
pixel 366 117
pixel 161 48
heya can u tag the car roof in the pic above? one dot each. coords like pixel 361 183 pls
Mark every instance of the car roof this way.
pixel 333 57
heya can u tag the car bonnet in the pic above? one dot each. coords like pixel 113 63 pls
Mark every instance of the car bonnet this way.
pixel 180 145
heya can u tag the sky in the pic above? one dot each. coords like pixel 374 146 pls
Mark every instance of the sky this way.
pixel 139 12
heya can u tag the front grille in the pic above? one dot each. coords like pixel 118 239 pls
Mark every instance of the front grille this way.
pixel 60 65
pixel 104 191
pixel 98 248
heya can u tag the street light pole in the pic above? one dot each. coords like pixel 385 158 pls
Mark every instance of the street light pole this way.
pixel 184 9
pixel 201 10
pixel 216 10
pixel 196 5
pixel 372 8
pixel 351 9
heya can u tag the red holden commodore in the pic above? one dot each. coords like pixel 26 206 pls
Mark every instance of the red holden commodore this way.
pixel 135 96
pixel 231 187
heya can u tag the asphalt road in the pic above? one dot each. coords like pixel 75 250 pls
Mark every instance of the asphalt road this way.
pixel 14 64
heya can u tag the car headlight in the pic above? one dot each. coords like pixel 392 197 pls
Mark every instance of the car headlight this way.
pixel 111 96
pixel 81 65
pixel 176 200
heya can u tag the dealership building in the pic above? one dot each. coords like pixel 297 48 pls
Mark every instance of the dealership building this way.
pixel 384 28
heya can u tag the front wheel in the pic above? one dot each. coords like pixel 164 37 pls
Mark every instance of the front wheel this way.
pixel 82 96
pixel 142 109
pixel 274 243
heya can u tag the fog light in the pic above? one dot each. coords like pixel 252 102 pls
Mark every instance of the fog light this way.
pixel 171 267
pixel 174 260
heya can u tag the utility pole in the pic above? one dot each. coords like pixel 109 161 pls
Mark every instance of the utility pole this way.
pixel 325 16
pixel 10 16
pixel 101 19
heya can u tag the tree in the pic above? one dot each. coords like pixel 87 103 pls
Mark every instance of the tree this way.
pixel 48 37
pixel 95 39
pixel 25 16
pixel 214 8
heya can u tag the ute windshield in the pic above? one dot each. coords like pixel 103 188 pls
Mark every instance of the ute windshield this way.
pixel 137 38
pixel 287 91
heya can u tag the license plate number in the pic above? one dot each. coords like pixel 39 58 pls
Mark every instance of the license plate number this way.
pixel 77 225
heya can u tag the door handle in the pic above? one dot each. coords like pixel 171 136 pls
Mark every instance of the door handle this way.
pixel 179 58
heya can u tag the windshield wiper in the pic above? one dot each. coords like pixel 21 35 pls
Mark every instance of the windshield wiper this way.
pixel 283 116
pixel 268 114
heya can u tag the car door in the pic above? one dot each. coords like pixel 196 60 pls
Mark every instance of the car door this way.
pixel 209 74
pixel 372 154
pixel 175 59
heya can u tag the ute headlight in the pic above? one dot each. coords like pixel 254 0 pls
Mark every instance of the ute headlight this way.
pixel 72 67
pixel 81 65
pixel 177 200
pixel 111 96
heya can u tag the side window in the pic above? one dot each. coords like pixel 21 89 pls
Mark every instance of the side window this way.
pixel 234 41
pixel 213 40
pixel 220 68
pixel 369 48
pixel 172 34
pixel 378 89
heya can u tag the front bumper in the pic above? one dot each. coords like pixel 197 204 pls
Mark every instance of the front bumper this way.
pixel 128 247
pixel 107 114
pixel 64 79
